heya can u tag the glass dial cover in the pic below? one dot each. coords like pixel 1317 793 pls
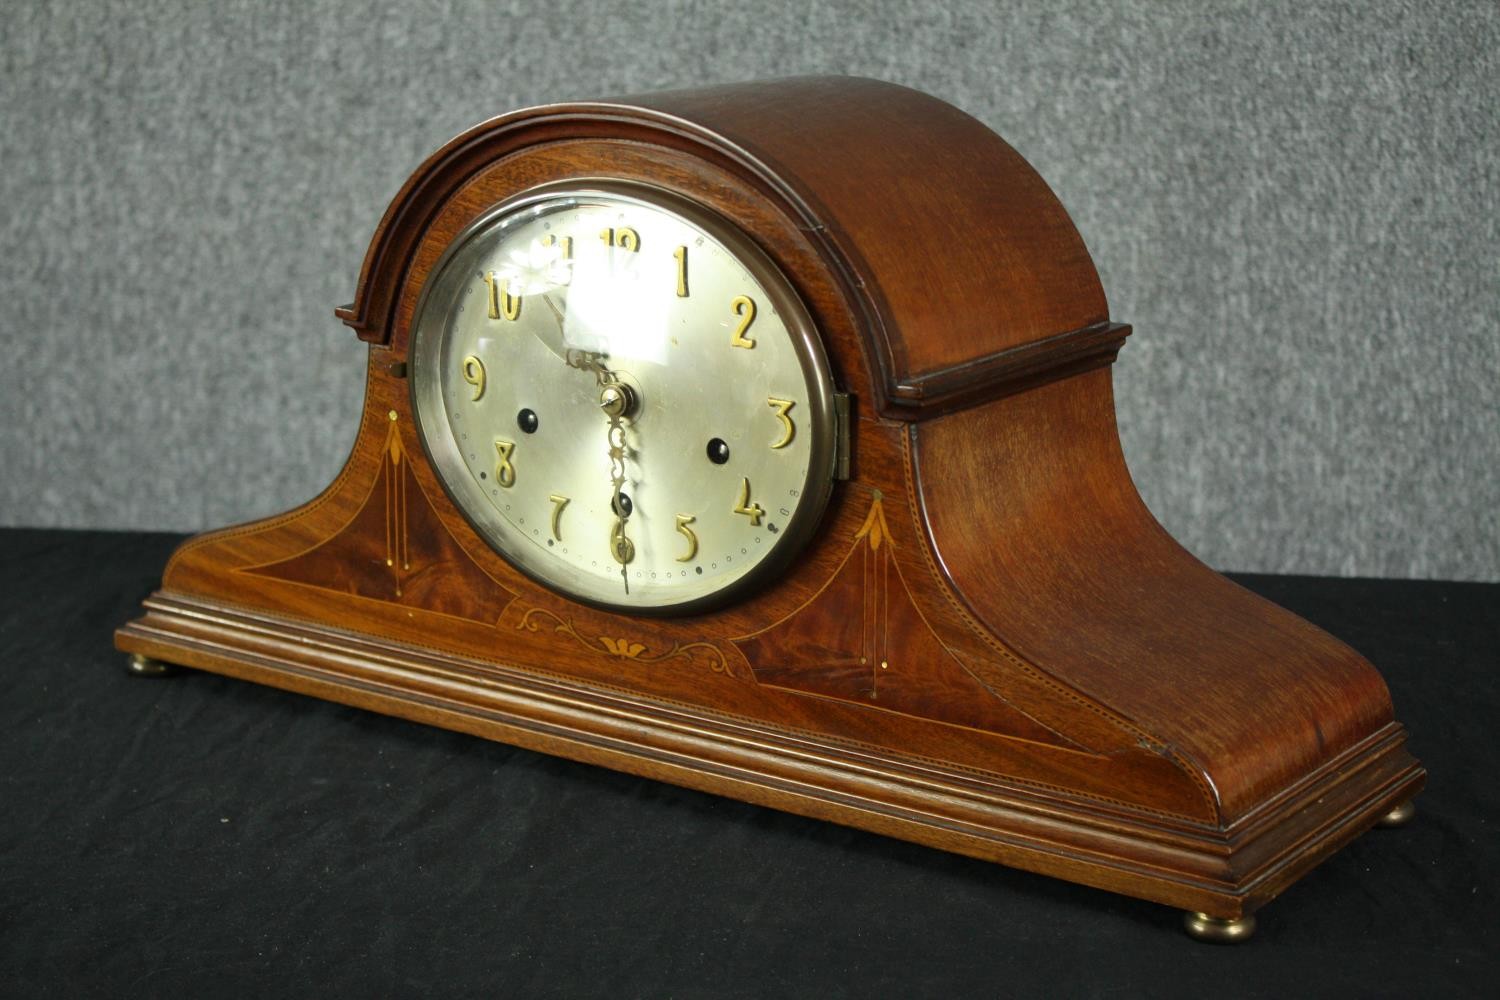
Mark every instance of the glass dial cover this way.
pixel 624 396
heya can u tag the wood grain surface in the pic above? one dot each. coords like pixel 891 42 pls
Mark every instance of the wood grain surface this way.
pixel 990 646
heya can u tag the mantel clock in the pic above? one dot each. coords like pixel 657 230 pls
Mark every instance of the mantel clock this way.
pixel 760 439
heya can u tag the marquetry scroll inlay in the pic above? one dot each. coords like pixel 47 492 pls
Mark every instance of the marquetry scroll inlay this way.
pixel 705 654
pixel 396 549
pixel 862 638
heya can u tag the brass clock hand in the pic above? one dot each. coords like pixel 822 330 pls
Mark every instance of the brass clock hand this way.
pixel 616 400
pixel 556 344
pixel 620 545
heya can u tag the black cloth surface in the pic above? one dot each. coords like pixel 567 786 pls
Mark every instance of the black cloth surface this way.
pixel 200 836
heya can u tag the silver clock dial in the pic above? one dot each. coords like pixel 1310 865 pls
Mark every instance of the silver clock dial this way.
pixel 625 397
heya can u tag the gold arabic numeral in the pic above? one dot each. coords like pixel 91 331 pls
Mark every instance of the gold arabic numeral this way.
pixel 680 254
pixel 494 294
pixel 473 370
pixel 625 238
pixel 744 308
pixel 505 473
pixel 566 242
pixel 788 429
pixel 558 503
pixel 683 520
pixel 753 511
pixel 502 303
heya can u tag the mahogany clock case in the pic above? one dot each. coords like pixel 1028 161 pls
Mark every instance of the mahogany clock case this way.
pixel 159 837
pixel 989 646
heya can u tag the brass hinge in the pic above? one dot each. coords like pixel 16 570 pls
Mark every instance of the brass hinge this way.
pixel 842 435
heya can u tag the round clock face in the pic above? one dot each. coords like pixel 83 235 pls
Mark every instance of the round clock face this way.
pixel 625 397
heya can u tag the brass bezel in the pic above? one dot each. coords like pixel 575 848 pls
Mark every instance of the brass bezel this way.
pixel 441 450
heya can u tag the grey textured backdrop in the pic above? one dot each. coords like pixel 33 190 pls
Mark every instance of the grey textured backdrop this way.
pixel 1295 204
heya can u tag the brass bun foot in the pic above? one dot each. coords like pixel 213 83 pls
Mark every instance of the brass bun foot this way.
pixel 1219 930
pixel 140 665
pixel 1399 816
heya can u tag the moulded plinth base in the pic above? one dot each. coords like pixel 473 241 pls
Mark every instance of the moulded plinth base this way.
pixel 1218 874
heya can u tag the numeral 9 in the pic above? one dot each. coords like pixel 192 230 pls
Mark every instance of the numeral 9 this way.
pixel 473 371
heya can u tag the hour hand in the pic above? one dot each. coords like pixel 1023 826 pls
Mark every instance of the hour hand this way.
pixel 551 335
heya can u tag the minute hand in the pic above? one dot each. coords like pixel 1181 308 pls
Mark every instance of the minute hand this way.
pixel 615 399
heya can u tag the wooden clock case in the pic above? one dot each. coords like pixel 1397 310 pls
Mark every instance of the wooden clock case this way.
pixel 990 646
